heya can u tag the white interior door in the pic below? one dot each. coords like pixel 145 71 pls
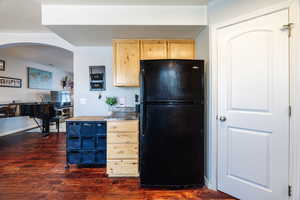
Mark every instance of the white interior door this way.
pixel 253 153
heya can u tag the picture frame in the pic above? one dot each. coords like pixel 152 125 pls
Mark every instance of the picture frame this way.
pixel 39 79
pixel 2 65
pixel 10 82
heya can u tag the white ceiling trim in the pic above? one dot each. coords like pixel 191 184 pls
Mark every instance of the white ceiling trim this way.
pixel 123 15
pixel 126 2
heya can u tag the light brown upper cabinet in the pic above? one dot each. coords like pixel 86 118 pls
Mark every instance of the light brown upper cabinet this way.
pixel 153 49
pixel 128 53
pixel 126 62
pixel 181 49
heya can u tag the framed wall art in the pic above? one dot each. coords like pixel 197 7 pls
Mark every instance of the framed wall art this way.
pixel 39 79
pixel 2 65
pixel 10 82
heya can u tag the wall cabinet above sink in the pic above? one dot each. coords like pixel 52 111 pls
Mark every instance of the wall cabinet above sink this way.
pixel 128 53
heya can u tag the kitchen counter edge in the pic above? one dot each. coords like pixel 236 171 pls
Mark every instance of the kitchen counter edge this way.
pixel 97 119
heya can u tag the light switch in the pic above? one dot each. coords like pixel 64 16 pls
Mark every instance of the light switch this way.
pixel 122 101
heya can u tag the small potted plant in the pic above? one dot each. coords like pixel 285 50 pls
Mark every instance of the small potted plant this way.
pixel 111 101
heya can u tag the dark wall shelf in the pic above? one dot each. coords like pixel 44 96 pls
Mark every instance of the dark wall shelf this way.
pixel 97 78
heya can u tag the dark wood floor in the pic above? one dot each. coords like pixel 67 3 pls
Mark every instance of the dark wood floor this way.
pixel 32 167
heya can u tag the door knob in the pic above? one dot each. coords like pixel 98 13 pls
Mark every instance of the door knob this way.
pixel 223 118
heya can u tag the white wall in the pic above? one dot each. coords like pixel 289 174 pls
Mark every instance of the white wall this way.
pixel 202 52
pixel 202 45
pixel 90 56
pixel 17 68
pixel 222 10
pixel 295 101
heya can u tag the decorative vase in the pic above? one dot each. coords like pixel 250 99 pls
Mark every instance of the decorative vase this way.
pixel 110 110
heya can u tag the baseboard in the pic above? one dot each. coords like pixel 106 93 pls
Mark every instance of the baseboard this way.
pixel 18 130
pixel 209 185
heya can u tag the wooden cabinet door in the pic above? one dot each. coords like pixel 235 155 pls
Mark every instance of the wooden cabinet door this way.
pixel 122 138
pixel 153 49
pixel 122 168
pixel 126 63
pixel 123 126
pixel 122 151
pixel 181 49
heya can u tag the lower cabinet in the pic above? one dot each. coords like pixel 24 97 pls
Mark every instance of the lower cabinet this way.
pixel 86 143
pixel 122 168
pixel 86 157
pixel 114 143
pixel 122 148
pixel 124 151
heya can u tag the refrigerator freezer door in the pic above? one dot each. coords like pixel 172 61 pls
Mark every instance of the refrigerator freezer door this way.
pixel 172 146
pixel 172 80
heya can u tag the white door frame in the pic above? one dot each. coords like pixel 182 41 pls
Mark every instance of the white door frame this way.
pixel 294 7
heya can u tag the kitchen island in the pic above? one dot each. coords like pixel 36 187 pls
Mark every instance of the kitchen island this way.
pixel 100 140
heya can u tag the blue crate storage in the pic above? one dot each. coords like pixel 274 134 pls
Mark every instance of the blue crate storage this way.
pixel 87 129
pixel 73 129
pixel 73 157
pixel 101 142
pixel 100 129
pixel 74 143
pixel 100 157
pixel 86 142
pixel 88 157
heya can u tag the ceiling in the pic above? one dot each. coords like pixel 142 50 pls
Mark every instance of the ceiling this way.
pixel 21 16
pixel 103 35
pixel 25 16
pixel 41 54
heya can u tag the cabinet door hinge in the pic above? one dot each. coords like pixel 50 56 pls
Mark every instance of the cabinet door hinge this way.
pixel 289 28
pixel 290 191
pixel 290 111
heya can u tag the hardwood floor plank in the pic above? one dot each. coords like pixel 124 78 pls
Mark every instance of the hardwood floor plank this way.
pixel 32 167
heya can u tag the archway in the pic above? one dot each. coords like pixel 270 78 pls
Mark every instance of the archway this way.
pixel 53 58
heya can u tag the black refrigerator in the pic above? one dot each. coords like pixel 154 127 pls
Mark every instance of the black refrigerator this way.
pixel 172 124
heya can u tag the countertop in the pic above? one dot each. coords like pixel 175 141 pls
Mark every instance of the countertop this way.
pixel 119 113
pixel 87 118
pixel 102 118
